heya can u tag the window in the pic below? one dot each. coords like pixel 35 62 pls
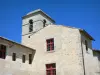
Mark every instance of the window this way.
pixel 44 23
pixel 50 44
pixel 30 58
pixel 2 51
pixel 51 69
pixel 14 56
pixel 31 25
pixel 86 45
pixel 23 58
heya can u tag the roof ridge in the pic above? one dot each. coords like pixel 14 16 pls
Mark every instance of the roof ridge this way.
pixel 69 26
pixel 38 10
pixel 81 30
pixel 16 43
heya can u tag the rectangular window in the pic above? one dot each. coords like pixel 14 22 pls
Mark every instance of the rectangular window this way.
pixel 50 44
pixel 31 28
pixel 86 45
pixel 23 58
pixel 2 51
pixel 30 25
pixel 30 58
pixel 51 69
pixel 14 56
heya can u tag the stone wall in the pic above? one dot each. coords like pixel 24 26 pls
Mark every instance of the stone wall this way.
pixel 10 67
pixel 89 61
pixel 67 52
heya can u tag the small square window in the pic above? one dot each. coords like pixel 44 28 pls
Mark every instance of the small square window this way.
pixel 50 44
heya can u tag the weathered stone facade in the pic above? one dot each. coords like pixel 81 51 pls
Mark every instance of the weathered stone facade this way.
pixel 66 52
pixel 70 53
pixel 17 67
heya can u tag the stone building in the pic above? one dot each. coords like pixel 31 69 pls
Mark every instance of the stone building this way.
pixel 50 49
pixel 15 58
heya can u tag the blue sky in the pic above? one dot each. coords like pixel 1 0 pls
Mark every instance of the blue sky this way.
pixel 83 14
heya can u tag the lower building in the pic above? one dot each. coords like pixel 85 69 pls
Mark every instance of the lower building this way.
pixel 15 59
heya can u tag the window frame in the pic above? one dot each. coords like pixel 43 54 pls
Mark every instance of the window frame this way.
pixel 3 49
pixel 30 25
pixel 44 23
pixel 86 45
pixel 23 58
pixel 51 69
pixel 50 44
pixel 13 56
pixel 30 58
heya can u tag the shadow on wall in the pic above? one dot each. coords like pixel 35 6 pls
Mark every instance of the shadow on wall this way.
pixel 96 54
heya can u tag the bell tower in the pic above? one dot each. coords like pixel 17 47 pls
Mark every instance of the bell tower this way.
pixel 33 22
